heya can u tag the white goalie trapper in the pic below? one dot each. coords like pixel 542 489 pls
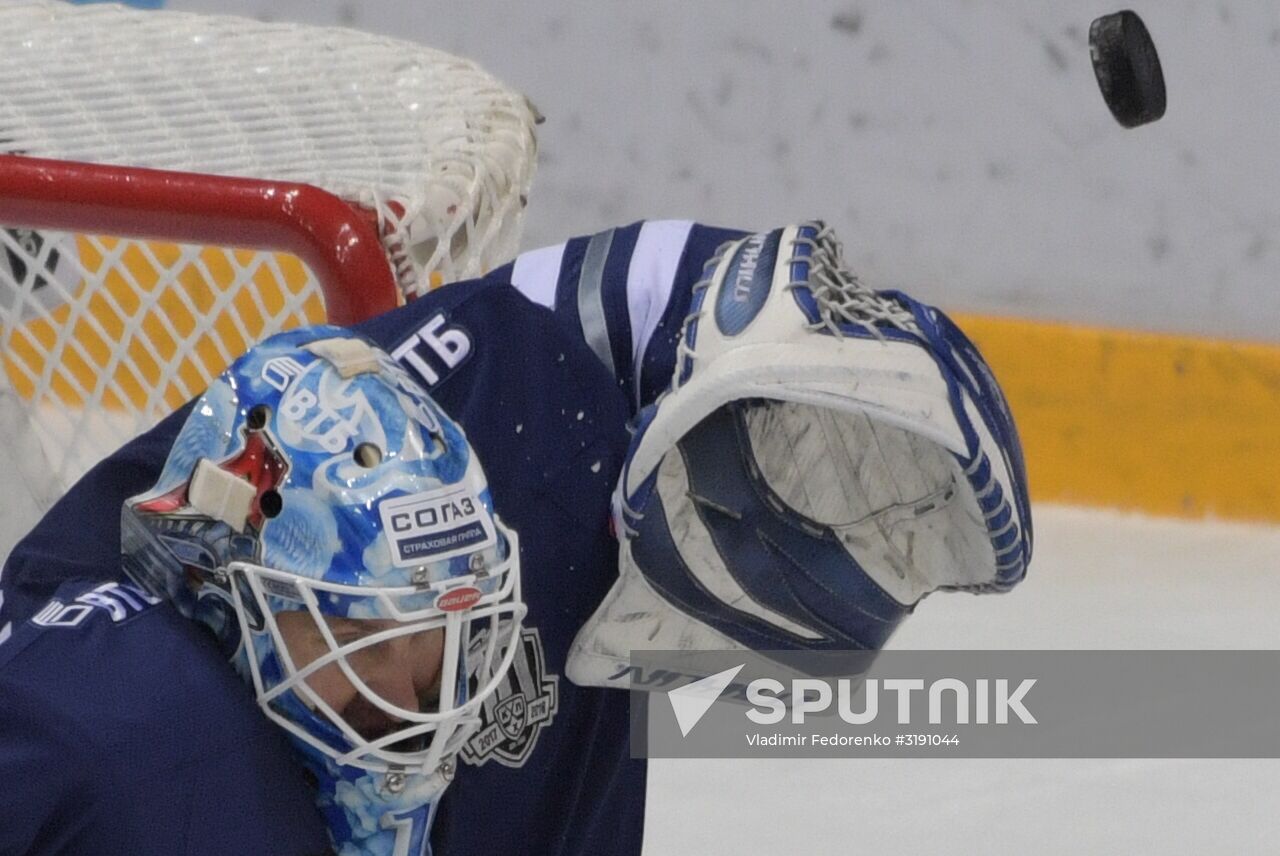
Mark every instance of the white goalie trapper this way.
pixel 480 614
pixel 771 320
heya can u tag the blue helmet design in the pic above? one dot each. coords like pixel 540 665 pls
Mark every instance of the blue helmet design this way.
pixel 318 511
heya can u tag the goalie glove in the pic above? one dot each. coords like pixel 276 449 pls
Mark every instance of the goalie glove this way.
pixel 825 457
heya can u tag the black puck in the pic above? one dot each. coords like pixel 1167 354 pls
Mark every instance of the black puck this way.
pixel 1127 68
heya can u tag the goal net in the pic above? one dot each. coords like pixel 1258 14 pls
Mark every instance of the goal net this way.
pixel 176 187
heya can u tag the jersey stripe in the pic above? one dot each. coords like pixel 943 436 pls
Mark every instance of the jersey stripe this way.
pixel 566 302
pixel 650 277
pixel 625 291
pixel 616 299
pixel 595 329
pixel 536 273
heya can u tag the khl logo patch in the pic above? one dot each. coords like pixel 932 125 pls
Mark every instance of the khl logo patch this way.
pixel 512 718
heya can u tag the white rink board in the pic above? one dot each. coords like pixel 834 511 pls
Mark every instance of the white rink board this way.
pixel 1097 580
pixel 960 148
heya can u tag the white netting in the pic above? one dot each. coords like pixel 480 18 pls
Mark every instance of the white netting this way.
pixel 442 151
pixel 100 336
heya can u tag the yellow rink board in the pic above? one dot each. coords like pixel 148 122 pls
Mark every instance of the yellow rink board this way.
pixel 201 308
pixel 209 308
pixel 1164 424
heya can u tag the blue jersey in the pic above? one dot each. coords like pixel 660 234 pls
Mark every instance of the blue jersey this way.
pixel 131 705
pixel 625 292
pixel 123 731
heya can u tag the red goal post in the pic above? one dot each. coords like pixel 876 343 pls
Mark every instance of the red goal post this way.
pixel 338 241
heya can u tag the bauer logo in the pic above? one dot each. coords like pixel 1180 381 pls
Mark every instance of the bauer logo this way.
pixel 747 281
pixel 436 525
pixel 456 600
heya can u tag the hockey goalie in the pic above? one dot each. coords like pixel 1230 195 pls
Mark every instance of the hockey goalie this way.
pixel 375 590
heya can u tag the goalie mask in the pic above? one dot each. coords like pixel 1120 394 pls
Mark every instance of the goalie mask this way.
pixel 825 456
pixel 334 529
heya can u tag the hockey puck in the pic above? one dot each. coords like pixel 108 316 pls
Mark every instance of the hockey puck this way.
pixel 1127 68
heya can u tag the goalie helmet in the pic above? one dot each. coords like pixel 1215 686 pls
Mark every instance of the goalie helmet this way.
pixel 333 527
pixel 825 456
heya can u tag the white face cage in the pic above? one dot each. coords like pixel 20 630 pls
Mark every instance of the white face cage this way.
pixel 478 638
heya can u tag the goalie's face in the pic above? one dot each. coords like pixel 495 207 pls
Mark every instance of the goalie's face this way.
pixel 377 677
pixel 404 671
